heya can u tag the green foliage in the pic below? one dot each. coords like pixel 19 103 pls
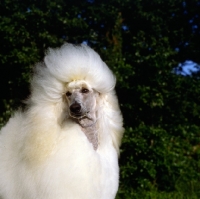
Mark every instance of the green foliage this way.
pixel 164 159
pixel 142 41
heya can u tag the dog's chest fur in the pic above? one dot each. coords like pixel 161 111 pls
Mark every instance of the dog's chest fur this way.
pixel 92 135
pixel 89 128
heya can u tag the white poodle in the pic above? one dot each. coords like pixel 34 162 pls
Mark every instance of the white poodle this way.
pixel 65 145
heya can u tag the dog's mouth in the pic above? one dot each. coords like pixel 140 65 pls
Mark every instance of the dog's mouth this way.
pixel 84 120
pixel 78 115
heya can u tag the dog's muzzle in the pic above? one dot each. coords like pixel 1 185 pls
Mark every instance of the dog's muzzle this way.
pixel 76 111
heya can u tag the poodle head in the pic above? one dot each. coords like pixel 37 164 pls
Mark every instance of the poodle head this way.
pixel 64 67
pixel 74 83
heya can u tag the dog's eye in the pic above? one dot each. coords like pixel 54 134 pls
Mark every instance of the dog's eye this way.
pixel 68 94
pixel 84 90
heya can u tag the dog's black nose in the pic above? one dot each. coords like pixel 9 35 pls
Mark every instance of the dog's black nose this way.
pixel 75 108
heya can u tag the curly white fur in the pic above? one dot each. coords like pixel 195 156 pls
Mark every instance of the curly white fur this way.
pixel 44 153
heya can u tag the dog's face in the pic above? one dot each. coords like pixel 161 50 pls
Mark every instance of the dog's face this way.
pixel 81 100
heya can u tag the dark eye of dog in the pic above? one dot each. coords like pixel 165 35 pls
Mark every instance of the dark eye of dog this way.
pixel 68 94
pixel 84 90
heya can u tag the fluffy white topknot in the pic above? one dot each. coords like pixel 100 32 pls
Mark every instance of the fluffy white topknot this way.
pixel 79 62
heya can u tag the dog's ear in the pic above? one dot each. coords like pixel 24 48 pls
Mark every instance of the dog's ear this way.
pixel 110 118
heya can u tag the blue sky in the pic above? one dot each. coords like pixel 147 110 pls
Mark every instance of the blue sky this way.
pixel 186 68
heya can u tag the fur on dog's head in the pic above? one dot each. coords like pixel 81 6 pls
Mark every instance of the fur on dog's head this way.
pixel 79 84
pixel 68 64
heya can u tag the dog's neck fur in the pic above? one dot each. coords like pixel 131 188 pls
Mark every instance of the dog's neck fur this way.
pixel 89 127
